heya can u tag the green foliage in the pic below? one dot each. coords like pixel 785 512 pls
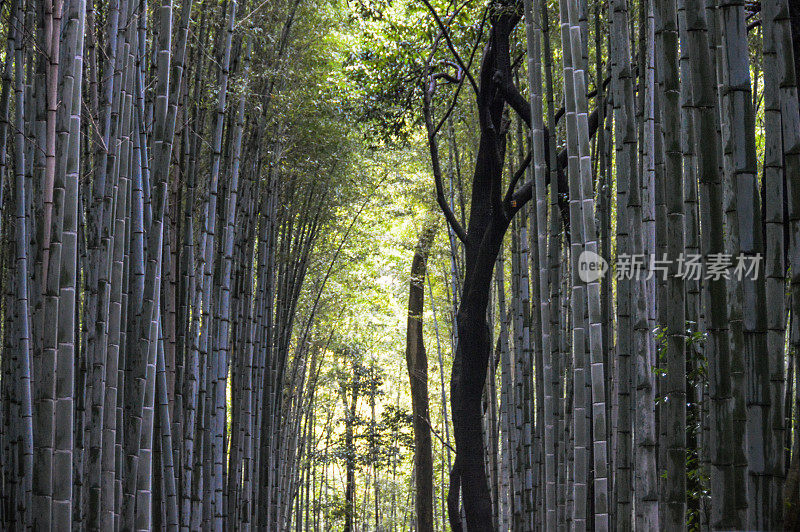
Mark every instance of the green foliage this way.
pixel 697 478
pixel 386 63
pixel 697 485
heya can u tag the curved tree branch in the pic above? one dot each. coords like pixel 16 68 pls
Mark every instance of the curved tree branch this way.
pixel 524 193
pixel 447 77
pixel 508 200
pixel 450 45
pixel 433 146
pixel 461 77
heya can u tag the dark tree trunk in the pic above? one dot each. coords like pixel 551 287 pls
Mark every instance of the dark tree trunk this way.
pixel 489 219
pixel 469 375
pixel 491 211
pixel 417 362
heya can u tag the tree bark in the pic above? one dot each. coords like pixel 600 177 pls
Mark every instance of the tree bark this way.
pixel 417 361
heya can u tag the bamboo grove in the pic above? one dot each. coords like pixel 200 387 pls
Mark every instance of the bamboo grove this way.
pixel 601 334
pixel 158 224
pixel 663 132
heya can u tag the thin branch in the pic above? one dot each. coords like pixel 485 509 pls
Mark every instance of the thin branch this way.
pixel 428 89
pixel 442 201
pixel 450 45
pixel 461 81
pixel 517 102
pixel 427 422
pixel 447 77
pixel 509 197
pixel 520 198
pixel 517 61
pixel 437 170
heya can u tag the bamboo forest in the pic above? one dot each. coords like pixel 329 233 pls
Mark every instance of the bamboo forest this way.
pixel 400 265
